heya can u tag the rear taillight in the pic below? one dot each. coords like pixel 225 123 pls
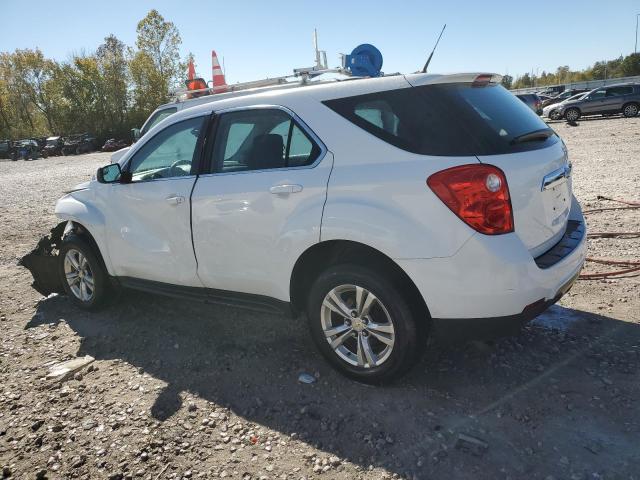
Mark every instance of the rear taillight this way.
pixel 478 194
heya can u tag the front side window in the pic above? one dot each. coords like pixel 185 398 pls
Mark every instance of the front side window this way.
pixel 169 153
pixel 260 139
pixel 597 95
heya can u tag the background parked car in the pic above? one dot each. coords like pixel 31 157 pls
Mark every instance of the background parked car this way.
pixel 27 149
pixel 622 98
pixel 552 111
pixel 113 144
pixel 563 96
pixel 7 149
pixel 78 143
pixel 53 146
pixel 532 100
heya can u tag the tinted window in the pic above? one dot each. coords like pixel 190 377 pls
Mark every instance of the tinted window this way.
pixel 169 153
pixel 597 95
pixel 157 118
pixel 615 91
pixel 261 139
pixel 448 119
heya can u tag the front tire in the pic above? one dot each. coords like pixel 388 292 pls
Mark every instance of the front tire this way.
pixel 572 114
pixel 84 277
pixel 630 110
pixel 362 324
pixel 554 115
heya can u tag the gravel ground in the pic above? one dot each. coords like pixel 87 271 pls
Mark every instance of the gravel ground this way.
pixel 180 390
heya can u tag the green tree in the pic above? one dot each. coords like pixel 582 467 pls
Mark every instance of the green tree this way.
pixel 507 81
pixel 112 66
pixel 630 66
pixel 161 41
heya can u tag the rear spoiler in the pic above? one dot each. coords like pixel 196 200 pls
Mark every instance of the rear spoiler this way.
pixel 418 79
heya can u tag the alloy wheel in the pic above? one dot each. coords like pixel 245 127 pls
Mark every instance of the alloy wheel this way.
pixel 630 110
pixel 357 326
pixel 572 115
pixel 79 275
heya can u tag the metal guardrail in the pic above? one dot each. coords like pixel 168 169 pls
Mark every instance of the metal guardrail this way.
pixel 589 84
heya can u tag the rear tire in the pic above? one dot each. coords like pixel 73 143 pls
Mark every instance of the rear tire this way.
pixel 572 114
pixel 630 110
pixel 84 277
pixel 363 326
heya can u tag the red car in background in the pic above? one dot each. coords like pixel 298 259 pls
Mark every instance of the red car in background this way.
pixel 113 144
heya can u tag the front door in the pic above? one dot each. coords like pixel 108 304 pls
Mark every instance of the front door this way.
pixel 148 219
pixel 261 204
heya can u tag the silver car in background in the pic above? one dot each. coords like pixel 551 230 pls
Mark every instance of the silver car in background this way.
pixel 621 98
pixel 552 112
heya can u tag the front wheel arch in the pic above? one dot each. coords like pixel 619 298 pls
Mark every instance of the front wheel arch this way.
pixel 83 232
pixel 567 115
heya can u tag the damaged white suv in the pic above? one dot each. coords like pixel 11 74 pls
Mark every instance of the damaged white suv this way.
pixel 385 209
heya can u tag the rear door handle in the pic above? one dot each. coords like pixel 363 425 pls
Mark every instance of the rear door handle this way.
pixel 175 199
pixel 285 188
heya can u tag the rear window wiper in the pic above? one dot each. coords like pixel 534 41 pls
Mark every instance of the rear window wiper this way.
pixel 541 134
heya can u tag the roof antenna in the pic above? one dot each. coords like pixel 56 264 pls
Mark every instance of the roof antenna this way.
pixel 426 65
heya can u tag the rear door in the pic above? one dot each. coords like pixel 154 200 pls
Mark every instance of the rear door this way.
pixel 615 98
pixel 260 204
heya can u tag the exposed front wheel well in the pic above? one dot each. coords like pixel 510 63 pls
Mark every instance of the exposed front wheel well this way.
pixel 81 231
pixel 321 256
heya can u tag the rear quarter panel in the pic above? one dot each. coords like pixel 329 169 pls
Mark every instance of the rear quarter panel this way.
pixel 378 195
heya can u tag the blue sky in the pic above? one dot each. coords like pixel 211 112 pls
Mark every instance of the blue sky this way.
pixel 259 39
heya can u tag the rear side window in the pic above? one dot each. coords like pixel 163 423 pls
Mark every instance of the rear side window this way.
pixel 445 120
pixel 616 91
pixel 261 139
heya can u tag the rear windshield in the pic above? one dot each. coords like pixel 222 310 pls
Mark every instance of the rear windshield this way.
pixel 447 120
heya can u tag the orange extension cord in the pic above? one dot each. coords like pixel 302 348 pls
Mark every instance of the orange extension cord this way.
pixel 635 266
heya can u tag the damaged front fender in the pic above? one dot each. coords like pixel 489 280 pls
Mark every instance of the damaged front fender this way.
pixel 42 262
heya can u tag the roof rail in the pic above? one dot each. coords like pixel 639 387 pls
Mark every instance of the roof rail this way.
pixel 303 76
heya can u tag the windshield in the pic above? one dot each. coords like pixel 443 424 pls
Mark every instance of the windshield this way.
pixel 156 118
pixel 455 119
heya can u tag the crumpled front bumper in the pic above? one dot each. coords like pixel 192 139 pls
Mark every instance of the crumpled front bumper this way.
pixel 42 262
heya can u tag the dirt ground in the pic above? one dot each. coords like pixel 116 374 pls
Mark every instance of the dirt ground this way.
pixel 182 390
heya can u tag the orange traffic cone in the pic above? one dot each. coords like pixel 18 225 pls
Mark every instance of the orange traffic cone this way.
pixel 219 83
pixel 191 74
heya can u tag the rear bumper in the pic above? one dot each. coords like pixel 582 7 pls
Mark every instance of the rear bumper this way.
pixel 494 280
pixel 485 328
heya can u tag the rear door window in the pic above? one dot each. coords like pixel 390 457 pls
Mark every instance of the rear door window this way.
pixel 445 120
pixel 260 139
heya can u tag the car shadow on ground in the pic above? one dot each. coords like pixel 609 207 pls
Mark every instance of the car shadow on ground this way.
pixel 556 385
pixel 594 118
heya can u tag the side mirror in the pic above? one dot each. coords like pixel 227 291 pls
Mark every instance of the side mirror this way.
pixel 135 134
pixel 109 174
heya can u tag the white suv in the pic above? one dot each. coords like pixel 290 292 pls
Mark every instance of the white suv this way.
pixel 385 209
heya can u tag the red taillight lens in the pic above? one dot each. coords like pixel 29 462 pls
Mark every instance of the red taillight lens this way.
pixel 478 194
